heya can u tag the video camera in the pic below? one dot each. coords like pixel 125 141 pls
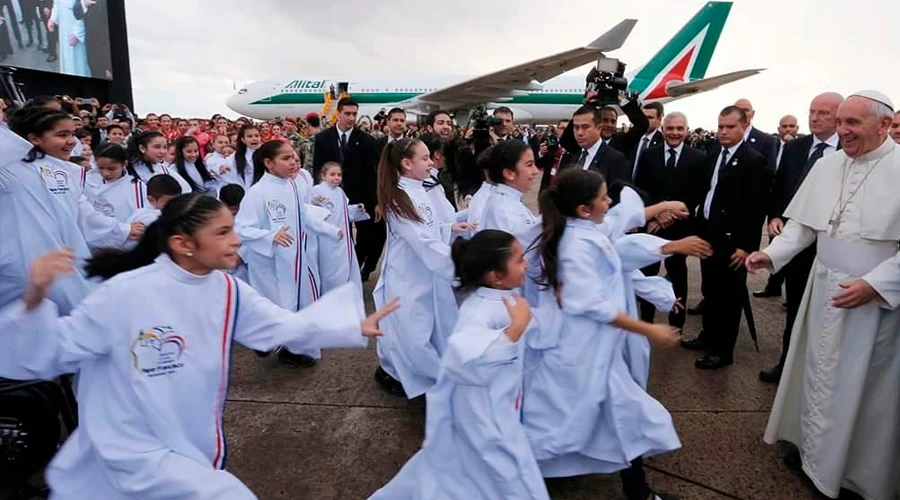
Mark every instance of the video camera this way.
pixel 607 78
pixel 482 123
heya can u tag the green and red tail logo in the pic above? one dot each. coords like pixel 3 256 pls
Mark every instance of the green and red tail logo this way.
pixel 686 56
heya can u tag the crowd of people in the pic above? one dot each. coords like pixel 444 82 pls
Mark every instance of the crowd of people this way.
pixel 150 245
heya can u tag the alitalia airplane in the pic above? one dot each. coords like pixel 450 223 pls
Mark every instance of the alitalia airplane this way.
pixel 536 91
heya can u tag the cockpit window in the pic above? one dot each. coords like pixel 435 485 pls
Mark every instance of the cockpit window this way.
pixel 242 91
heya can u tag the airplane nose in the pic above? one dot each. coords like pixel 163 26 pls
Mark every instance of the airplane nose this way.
pixel 233 102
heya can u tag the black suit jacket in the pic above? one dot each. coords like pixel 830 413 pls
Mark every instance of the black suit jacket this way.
pixel 791 173
pixel 683 183
pixel 740 201
pixel 765 145
pixel 608 162
pixel 96 37
pixel 624 142
pixel 360 163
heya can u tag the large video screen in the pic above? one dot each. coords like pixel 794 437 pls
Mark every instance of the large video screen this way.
pixel 62 36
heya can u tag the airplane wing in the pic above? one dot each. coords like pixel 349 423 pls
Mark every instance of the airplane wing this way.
pixel 705 84
pixel 518 80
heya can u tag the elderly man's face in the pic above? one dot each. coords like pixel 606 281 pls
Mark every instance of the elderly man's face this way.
pixel 895 128
pixel 860 130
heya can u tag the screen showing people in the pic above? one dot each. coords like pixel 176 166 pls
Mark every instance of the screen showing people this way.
pixel 62 36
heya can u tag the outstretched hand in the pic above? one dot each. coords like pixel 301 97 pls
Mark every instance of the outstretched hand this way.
pixel 756 261
pixel 369 326
pixel 44 271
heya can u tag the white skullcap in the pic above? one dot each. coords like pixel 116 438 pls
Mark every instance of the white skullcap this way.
pixel 874 95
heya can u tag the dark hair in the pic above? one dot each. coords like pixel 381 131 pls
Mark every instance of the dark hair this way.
pixel 505 156
pixel 240 157
pixel 134 151
pixel 77 159
pixel 435 143
pixel 40 101
pixel 655 106
pixel 391 198
pixel 112 151
pixel 114 126
pixel 395 110
pixel 727 110
pixel 574 187
pixel 81 133
pixel 232 195
pixel 596 113
pixel 489 250
pixel 37 121
pixel 344 102
pixel 180 166
pixel 183 215
pixel 163 185
pixel 313 121
pixel 430 119
pixel 503 110
pixel 266 151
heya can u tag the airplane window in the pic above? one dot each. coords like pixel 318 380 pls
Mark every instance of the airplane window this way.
pixel 242 91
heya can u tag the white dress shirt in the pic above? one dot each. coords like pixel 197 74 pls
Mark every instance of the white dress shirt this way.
pixel 343 132
pixel 592 152
pixel 832 143
pixel 678 149
pixel 715 178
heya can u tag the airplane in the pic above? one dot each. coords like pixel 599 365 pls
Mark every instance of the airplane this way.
pixel 536 91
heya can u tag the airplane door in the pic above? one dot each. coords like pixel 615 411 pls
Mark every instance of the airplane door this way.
pixel 343 88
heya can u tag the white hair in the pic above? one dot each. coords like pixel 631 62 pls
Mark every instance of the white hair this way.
pixel 676 114
pixel 879 109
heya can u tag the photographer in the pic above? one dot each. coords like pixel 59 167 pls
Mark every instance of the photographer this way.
pixel 502 125
pixel 549 153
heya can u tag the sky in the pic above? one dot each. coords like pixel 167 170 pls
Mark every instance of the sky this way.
pixel 187 56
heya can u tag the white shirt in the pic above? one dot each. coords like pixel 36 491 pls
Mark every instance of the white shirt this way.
pixel 343 133
pixel 392 138
pixel 592 152
pixel 832 143
pixel 715 178
pixel 678 149
pixel 747 132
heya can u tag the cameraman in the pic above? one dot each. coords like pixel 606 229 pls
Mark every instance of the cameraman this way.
pixel 503 126
pixel 549 153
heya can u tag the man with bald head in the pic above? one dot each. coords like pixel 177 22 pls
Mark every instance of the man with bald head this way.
pixel 787 131
pixel 762 142
pixel 838 400
pixel 798 158
pixel 895 128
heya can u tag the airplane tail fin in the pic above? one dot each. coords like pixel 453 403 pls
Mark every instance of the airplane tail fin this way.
pixel 686 56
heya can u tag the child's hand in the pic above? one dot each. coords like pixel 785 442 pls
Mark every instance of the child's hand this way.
pixel 44 271
pixel 461 227
pixel 519 314
pixel 319 201
pixel 662 335
pixel 369 326
pixel 224 169
pixel 340 234
pixel 283 237
pixel 137 230
pixel 361 207
pixel 677 307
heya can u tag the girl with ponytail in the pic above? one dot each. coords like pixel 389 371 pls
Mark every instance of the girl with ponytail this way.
pixel 473 412
pixel 152 346
pixel 417 264
pixel 146 152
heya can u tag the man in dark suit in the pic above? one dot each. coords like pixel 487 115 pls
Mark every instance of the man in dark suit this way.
pixel 357 152
pixel 549 154
pixel 592 153
pixel 97 37
pixel 624 142
pixel 731 214
pixel 396 125
pixel 671 171
pixel 651 138
pixel 797 159
pixel 52 47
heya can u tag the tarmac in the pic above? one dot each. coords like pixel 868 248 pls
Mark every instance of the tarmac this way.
pixel 329 432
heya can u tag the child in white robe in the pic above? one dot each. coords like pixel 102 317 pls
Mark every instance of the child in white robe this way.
pixel 242 167
pixel 417 264
pixel 232 195
pixel 155 372
pixel 439 200
pixel 146 152
pixel 479 201
pixel 191 168
pixel 475 446
pixel 220 163
pixel 161 189
pixel 337 260
pixel 270 222
pixel 584 412
pixel 110 189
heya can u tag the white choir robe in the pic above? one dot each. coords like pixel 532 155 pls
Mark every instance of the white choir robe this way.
pixel 209 188
pixel 245 178
pixel 281 274
pixel 153 350
pixel 584 411
pixel 838 399
pixel 443 207
pixel 478 202
pixel 221 168
pixel 118 199
pixel 144 174
pixel 416 266
pixel 506 212
pixel 44 216
pixel 146 215
pixel 337 259
pixel 309 234
pixel 475 446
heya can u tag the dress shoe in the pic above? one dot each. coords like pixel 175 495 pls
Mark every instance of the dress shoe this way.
pixel 694 344
pixel 261 354
pixel 296 360
pixel 765 293
pixel 772 375
pixel 711 362
pixel 388 383
pixel 696 310
pixel 793 461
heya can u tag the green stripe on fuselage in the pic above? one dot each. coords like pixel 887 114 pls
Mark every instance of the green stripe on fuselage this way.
pixel 396 97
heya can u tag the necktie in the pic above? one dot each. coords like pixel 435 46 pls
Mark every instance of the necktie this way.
pixel 582 159
pixel 343 140
pixel 670 163
pixel 724 161
pixel 644 144
pixel 430 183
pixel 816 156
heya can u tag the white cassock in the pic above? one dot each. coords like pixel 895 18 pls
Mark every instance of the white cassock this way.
pixel 146 215
pixel 221 168
pixel 244 178
pixel 506 212
pixel 45 214
pixel 145 172
pixel 442 206
pixel 281 274
pixel 584 411
pixel 209 188
pixel 337 260
pixel 478 202
pixel 416 266
pixel 153 349
pixel 118 199
pixel 72 59
pixel 313 223
pixel 838 400
pixel 475 446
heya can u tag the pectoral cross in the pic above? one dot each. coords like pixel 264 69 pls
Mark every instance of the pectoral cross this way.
pixel 835 223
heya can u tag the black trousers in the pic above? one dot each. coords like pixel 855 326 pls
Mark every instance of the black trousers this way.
pixel 11 20
pixel 370 238
pixel 52 38
pixel 676 272
pixel 725 296
pixel 634 482
pixel 32 19
pixel 796 274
